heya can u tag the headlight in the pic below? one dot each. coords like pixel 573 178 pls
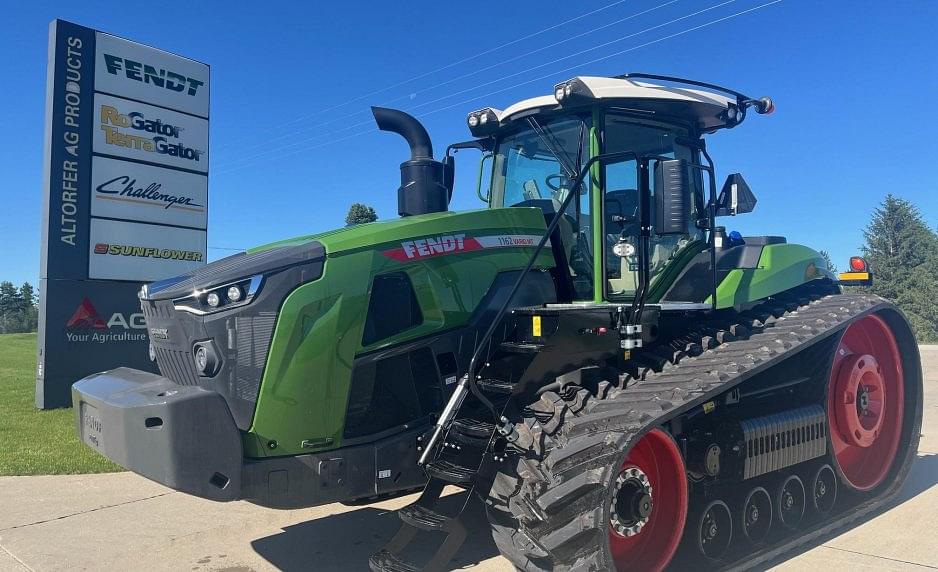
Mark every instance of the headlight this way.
pixel 221 297
pixel 234 293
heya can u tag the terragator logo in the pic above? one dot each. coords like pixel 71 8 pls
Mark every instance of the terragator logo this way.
pixel 112 120
pixel 152 75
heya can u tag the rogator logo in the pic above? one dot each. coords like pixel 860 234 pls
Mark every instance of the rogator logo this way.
pixel 145 73
pixel 147 252
pixel 125 188
pixel 431 246
pixel 112 121
pixel 87 325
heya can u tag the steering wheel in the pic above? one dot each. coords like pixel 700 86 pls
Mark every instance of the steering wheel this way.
pixel 556 181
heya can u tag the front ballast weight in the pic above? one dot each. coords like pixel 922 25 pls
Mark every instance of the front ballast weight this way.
pixel 631 336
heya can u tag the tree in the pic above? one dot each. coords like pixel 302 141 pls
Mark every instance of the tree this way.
pixel 18 311
pixel 10 300
pixel 828 263
pixel 360 213
pixel 902 252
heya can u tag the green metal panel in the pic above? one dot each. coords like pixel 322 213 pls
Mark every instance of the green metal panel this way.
pixel 781 267
pixel 660 283
pixel 596 211
pixel 305 386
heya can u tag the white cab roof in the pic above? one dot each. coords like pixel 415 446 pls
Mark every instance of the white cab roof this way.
pixel 702 107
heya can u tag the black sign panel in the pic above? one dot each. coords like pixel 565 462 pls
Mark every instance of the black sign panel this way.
pixel 69 124
pixel 84 324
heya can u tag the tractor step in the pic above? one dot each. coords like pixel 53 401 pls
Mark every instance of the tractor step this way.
pixel 473 428
pixel 495 386
pixel 520 347
pixel 423 518
pixel 450 472
pixel 385 561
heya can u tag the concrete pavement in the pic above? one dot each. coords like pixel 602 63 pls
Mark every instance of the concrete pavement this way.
pixel 123 522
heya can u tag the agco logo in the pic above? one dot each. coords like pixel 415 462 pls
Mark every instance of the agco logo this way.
pixel 152 75
pixel 87 325
pixel 112 121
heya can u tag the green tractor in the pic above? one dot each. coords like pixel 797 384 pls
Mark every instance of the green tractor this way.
pixel 623 384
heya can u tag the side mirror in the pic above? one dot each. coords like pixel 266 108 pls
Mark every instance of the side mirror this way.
pixel 449 175
pixel 672 197
pixel 736 197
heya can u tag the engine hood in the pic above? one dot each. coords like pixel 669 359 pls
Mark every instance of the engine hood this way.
pixel 236 267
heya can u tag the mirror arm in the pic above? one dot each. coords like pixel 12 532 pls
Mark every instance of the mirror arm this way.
pixel 711 226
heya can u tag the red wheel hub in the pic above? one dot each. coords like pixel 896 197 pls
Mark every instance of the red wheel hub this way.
pixel 865 402
pixel 860 406
pixel 649 504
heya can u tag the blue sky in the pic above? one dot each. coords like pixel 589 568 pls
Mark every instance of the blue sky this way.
pixel 292 144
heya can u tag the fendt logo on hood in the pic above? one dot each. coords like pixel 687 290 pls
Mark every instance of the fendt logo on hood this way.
pixel 428 247
pixel 87 325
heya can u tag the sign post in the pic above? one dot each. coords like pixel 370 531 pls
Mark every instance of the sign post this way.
pixel 125 198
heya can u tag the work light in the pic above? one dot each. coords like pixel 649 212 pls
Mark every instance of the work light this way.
pixel 234 293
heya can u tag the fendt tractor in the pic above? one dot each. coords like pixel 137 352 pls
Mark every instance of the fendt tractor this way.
pixel 621 382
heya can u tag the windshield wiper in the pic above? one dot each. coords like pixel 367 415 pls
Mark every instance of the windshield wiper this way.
pixel 550 141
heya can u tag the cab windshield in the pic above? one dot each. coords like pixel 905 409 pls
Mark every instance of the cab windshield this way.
pixel 527 172
pixel 533 168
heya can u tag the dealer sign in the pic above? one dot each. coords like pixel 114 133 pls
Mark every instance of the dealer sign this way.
pixel 125 197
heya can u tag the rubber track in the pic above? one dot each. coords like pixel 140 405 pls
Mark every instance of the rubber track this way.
pixel 547 512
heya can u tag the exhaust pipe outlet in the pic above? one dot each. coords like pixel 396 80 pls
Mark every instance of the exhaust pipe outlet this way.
pixel 423 183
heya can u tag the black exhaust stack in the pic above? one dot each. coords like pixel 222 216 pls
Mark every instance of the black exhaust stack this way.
pixel 423 183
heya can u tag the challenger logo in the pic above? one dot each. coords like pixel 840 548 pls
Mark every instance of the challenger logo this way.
pixel 432 246
pixel 87 325
pixel 151 135
pixel 126 188
pixel 147 252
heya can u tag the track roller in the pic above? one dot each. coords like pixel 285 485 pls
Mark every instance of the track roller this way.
pixel 824 489
pixel 714 530
pixel 790 501
pixel 756 515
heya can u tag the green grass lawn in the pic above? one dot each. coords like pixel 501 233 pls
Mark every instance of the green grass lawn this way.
pixel 34 442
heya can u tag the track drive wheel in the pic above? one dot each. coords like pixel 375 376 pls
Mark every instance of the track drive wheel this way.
pixel 866 402
pixel 578 500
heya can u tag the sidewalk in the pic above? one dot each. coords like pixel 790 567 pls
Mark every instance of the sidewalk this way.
pixel 124 522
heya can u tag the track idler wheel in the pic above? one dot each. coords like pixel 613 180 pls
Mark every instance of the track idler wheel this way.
pixel 714 530
pixel 756 516
pixel 865 402
pixel 648 505
pixel 790 501
pixel 824 489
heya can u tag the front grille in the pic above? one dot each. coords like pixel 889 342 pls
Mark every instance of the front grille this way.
pixel 783 439
pixel 177 365
pixel 253 340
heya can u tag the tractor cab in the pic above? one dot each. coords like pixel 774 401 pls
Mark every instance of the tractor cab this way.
pixel 647 197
